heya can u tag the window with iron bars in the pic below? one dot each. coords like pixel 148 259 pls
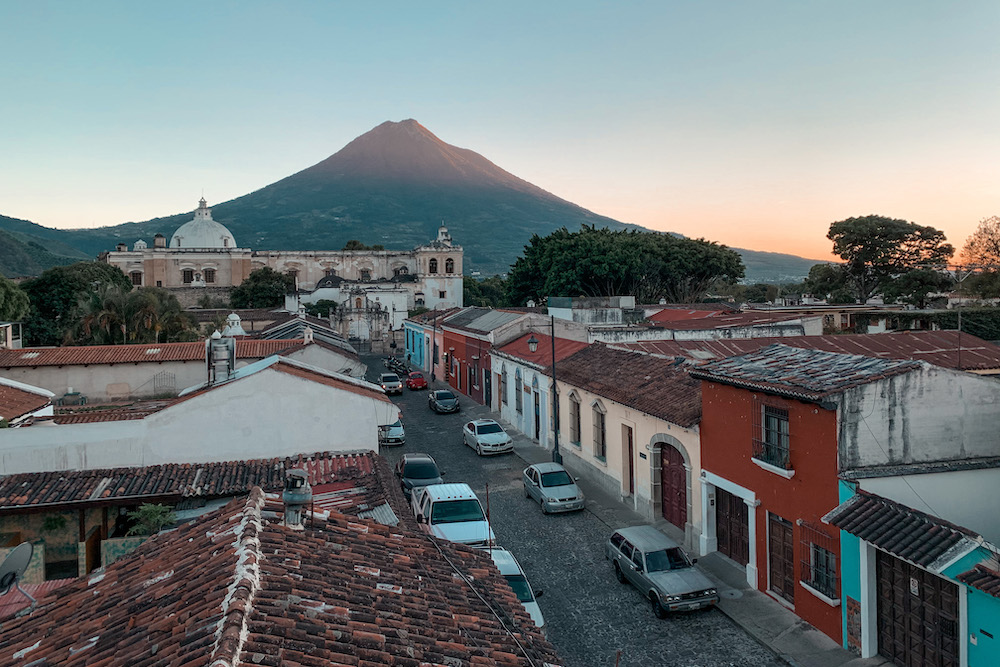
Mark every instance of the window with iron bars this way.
pixel 818 560
pixel 770 440
pixel 503 387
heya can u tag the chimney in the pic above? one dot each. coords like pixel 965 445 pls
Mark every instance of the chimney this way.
pixel 307 335
pixel 296 497
pixel 159 241
pixel 121 247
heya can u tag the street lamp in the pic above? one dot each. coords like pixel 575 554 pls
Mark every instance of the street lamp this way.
pixel 533 346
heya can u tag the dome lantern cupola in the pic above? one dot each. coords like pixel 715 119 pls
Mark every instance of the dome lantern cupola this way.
pixel 202 232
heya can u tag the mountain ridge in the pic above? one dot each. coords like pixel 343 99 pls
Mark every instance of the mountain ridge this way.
pixel 398 180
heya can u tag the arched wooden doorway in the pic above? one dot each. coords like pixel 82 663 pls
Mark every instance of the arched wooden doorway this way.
pixel 673 485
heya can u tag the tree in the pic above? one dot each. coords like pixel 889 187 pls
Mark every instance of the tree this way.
pixel 983 246
pixel 913 287
pixel 601 262
pixel 263 288
pixel 14 304
pixel 355 244
pixel 111 316
pixel 321 308
pixel 877 249
pixel 55 298
pixel 759 293
pixel 150 518
pixel 488 293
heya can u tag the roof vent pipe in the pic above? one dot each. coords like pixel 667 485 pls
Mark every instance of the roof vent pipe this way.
pixel 297 497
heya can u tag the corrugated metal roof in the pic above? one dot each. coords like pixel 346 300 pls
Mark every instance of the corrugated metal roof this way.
pixel 133 354
pixel 542 356
pixel 947 349
pixel 801 373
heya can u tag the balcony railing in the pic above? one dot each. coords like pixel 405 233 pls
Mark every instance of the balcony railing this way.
pixel 772 453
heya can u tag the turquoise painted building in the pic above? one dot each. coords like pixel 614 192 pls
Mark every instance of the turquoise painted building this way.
pixel 914 588
pixel 415 345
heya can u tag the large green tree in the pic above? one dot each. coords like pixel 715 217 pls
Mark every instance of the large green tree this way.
pixel 147 315
pixel 14 305
pixel 488 292
pixel 55 298
pixel 601 262
pixel 877 250
pixel 914 287
pixel 263 288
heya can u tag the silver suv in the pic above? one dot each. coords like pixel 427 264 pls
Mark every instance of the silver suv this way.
pixel 659 568
pixel 391 384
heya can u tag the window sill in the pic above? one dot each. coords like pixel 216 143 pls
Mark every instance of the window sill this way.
pixel 575 444
pixel 602 459
pixel 781 472
pixel 822 596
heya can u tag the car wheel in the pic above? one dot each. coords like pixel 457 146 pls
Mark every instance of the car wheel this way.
pixel 619 575
pixel 541 503
pixel 479 449
pixel 526 494
pixel 658 610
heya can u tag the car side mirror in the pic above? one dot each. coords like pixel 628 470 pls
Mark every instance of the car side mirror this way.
pixel 576 479
pixel 638 567
pixel 539 594
pixel 694 560
pixel 421 519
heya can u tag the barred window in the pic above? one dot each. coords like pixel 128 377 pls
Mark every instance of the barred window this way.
pixel 209 275
pixel 518 397
pixel 136 277
pixel 818 560
pixel 503 387
pixel 600 431
pixel 187 275
pixel 771 435
pixel 449 265
pixel 574 420
pixel 432 266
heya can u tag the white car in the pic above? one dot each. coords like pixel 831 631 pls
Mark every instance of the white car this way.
pixel 393 434
pixel 452 512
pixel 512 572
pixel 487 437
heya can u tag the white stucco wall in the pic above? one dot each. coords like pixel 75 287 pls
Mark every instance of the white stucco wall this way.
pixel 930 414
pixel 967 498
pixel 328 360
pixel 265 415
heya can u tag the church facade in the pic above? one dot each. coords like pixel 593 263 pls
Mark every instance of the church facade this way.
pixel 204 253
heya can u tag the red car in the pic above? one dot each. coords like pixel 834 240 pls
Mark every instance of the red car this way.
pixel 415 381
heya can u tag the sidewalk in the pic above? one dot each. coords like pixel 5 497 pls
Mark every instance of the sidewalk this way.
pixel 788 636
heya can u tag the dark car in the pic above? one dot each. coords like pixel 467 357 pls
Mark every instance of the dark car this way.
pixel 415 471
pixel 415 381
pixel 442 400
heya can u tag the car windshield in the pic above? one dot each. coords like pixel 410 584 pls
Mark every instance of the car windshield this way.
pixel 489 428
pixel 396 424
pixel 667 559
pixel 421 470
pixel 558 478
pixel 453 511
pixel 389 377
pixel 445 396
pixel 416 376
pixel 520 586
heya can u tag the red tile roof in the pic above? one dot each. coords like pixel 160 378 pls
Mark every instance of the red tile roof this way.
pixel 176 481
pixel 732 320
pixel 655 386
pixel 16 402
pixel 947 349
pixel 133 354
pixel 542 356
pixel 237 588
pixel 982 578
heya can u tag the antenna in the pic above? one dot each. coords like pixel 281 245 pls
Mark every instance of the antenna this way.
pixel 13 569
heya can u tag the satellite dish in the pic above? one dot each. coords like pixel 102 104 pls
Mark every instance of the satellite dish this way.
pixel 14 566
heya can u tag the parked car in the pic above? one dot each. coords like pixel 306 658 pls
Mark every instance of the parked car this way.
pixel 659 568
pixel 452 512
pixel 442 400
pixel 512 572
pixel 415 471
pixel 553 488
pixel 487 437
pixel 391 383
pixel 416 381
pixel 393 434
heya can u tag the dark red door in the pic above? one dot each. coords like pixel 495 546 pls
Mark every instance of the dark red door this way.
pixel 673 486
pixel 732 524
pixel 781 557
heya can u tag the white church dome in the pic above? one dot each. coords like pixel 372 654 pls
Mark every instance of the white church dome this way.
pixel 202 232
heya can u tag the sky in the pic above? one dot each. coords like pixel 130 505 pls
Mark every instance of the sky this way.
pixel 754 124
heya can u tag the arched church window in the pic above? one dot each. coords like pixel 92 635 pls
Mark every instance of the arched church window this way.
pixel 357 303
pixel 432 266
pixel 449 265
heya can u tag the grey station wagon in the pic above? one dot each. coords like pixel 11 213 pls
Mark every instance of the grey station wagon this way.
pixel 659 568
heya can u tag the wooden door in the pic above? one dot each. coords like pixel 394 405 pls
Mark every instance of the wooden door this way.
pixel 781 557
pixel 538 416
pixel 630 453
pixel 673 486
pixel 732 521
pixel 917 615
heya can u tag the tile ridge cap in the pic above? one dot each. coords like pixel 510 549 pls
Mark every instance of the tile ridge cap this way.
pixel 233 627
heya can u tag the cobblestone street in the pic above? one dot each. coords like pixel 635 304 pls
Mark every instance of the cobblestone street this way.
pixel 590 617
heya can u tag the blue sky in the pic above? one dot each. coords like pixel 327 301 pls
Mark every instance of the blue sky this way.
pixel 753 124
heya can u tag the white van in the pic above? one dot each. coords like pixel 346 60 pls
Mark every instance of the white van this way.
pixel 454 513
pixel 512 572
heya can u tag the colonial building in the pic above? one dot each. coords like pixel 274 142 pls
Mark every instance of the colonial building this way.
pixel 204 253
